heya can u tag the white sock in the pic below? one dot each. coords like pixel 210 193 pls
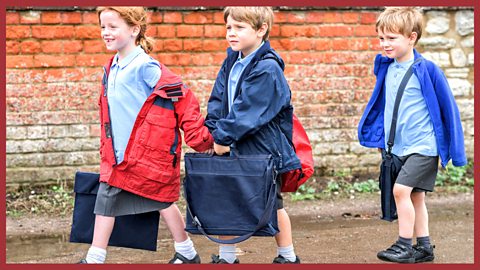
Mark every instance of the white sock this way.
pixel 96 255
pixel 227 253
pixel 186 249
pixel 287 253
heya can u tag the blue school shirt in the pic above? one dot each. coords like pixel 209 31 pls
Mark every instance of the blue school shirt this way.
pixel 130 82
pixel 414 132
pixel 236 72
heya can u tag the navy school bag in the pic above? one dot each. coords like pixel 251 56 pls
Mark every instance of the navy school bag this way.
pixel 138 231
pixel 230 195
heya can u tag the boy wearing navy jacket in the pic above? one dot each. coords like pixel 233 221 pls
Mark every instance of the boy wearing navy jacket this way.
pixel 249 109
pixel 428 127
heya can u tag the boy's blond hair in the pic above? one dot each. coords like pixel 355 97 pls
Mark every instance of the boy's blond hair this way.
pixel 255 16
pixel 403 20
pixel 134 16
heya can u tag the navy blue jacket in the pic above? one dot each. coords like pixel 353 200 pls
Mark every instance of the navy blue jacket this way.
pixel 440 104
pixel 260 120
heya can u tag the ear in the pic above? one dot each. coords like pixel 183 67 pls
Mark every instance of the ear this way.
pixel 136 30
pixel 413 37
pixel 262 30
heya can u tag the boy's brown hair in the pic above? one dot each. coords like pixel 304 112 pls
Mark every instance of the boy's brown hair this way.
pixel 255 16
pixel 403 20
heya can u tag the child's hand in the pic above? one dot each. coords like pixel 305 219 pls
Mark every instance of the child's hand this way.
pixel 221 149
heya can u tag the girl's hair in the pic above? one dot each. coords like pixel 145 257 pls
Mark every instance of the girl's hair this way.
pixel 134 16
pixel 255 16
pixel 402 20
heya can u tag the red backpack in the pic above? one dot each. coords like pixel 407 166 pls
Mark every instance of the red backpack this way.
pixel 292 180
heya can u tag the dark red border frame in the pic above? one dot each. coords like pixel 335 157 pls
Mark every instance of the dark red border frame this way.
pixel 346 3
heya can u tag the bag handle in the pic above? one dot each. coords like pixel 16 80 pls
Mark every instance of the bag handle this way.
pixel 265 218
pixel 398 98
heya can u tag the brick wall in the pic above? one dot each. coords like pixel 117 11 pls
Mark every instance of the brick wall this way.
pixel 54 59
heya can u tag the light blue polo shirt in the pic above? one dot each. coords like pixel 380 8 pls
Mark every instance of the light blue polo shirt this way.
pixel 414 132
pixel 130 82
pixel 236 73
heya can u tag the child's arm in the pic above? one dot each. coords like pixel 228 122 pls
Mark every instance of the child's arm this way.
pixel 215 104
pixel 264 94
pixel 191 121
pixel 450 117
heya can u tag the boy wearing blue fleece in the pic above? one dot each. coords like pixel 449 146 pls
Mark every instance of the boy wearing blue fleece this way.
pixel 428 127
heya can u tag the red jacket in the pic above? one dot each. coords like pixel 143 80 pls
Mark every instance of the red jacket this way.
pixel 151 165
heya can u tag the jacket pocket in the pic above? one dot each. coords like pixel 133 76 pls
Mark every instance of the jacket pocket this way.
pixel 158 132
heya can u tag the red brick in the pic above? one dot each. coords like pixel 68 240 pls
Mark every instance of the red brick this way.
pixel 12 47
pixel 94 130
pixel 30 46
pixel 174 59
pixel 12 18
pixel 304 44
pixel 189 30
pixel 154 17
pixel 202 73
pixel 51 17
pixel 19 90
pixel 90 18
pixel 71 17
pixel 279 17
pixel 72 46
pixel 87 32
pixel 151 32
pixel 18 32
pixel 202 59
pixel 340 44
pixel 214 45
pixel 359 44
pixel 335 31
pixel 350 17
pixel 296 17
pixel 42 60
pixel 93 74
pixel 332 17
pixel 93 46
pixel 305 58
pixel 368 17
pixel 30 17
pixel 172 17
pixel 275 31
pixel 195 45
pixel 91 60
pixel 299 30
pixel 215 31
pixel 158 45
pixel 19 61
pixel 165 31
pixel 315 16
pixel 218 58
pixel 365 31
pixel 172 45
pixel 218 18
pixel 198 17
pixel 51 46
pixel 53 31
pixel 323 44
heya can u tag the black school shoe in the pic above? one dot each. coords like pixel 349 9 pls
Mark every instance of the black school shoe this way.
pixel 216 259
pixel 82 261
pixel 423 253
pixel 398 252
pixel 282 260
pixel 184 260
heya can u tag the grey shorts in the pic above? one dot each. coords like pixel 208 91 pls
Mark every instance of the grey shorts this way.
pixel 278 184
pixel 418 172
pixel 112 202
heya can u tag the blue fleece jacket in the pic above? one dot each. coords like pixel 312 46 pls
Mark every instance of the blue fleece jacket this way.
pixel 440 104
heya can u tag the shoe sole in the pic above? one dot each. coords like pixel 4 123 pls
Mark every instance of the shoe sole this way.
pixel 410 260
pixel 425 259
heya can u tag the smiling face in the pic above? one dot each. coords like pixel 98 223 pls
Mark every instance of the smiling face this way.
pixel 242 37
pixel 116 33
pixel 397 45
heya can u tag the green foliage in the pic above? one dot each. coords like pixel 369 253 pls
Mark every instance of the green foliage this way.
pixel 368 186
pixel 303 193
pixel 455 177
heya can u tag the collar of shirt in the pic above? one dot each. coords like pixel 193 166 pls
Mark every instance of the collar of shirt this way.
pixel 404 65
pixel 127 60
pixel 245 61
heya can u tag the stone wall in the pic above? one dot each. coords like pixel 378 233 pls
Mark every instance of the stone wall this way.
pixel 54 59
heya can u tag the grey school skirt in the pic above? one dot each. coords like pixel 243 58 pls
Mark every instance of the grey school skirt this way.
pixel 112 202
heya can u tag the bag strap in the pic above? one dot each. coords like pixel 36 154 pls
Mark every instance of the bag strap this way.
pixel 264 219
pixel 398 98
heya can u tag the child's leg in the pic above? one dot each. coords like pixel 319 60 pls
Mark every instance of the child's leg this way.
pixel 175 224
pixel 226 252
pixel 421 214
pixel 284 237
pixel 101 234
pixel 405 211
